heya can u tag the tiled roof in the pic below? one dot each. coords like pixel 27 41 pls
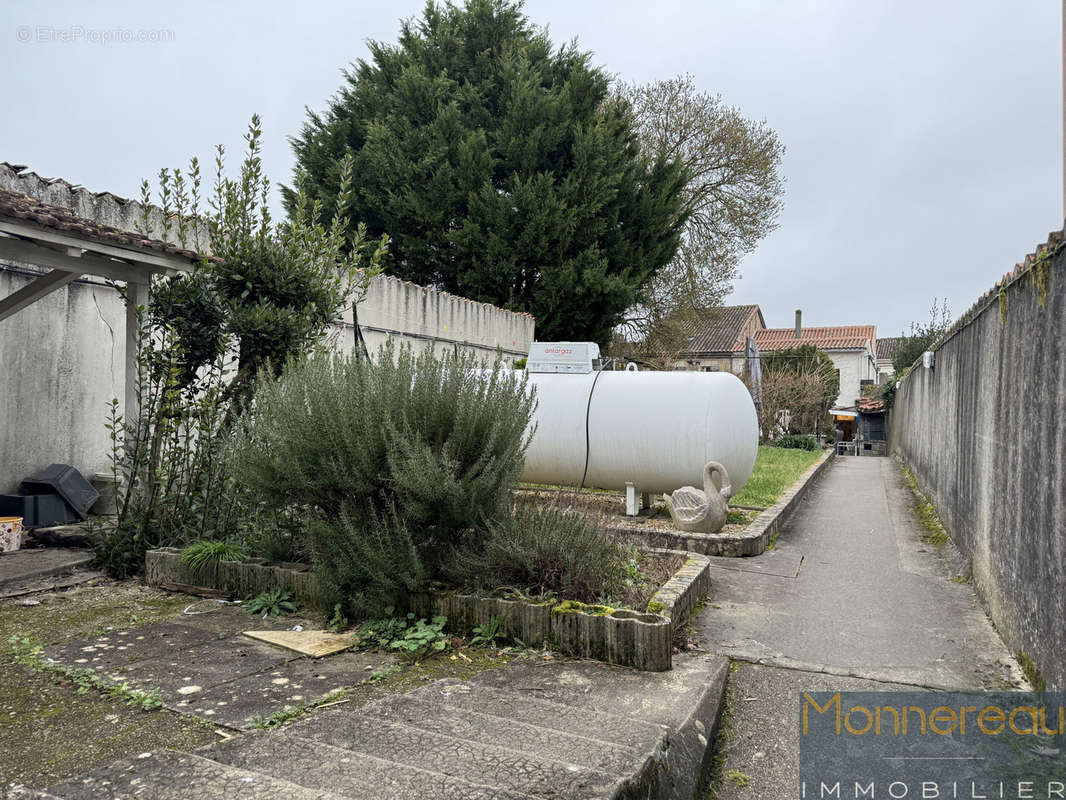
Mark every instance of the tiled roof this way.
pixel 870 405
pixel 887 347
pixel 23 208
pixel 719 330
pixel 837 337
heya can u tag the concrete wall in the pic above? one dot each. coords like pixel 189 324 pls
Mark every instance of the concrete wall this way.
pixel 984 432
pixel 61 363
pixel 425 318
pixel 61 359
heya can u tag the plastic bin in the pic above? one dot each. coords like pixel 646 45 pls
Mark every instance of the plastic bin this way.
pixel 10 534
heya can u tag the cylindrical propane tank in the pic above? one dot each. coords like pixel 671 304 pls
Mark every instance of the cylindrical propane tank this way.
pixel 655 430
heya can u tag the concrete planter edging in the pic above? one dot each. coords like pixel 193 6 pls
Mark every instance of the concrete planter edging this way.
pixel 679 596
pixel 642 640
pixel 164 567
pixel 752 541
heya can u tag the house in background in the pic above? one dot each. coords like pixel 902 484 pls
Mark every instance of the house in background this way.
pixel 886 353
pixel 851 347
pixel 718 338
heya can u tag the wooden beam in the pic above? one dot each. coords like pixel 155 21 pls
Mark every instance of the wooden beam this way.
pixel 160 261
pixel 136 297
pixel 34 291
pixel 85 264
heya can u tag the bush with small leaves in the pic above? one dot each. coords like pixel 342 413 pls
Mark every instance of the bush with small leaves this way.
pixel 541 550
pixel 388 461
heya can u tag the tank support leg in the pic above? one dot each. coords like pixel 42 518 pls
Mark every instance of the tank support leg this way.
pixel 645 499
pixel 632 504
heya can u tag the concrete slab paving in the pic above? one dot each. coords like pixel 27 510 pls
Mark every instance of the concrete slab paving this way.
pixel 180 776
pixel 122 648
pixel 237 702
pixel 194 669
pixel 475 726
pixel 489 764
pixel 319 766
pixel 207 668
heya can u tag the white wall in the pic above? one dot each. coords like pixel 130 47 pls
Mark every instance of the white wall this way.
pixel 61 359
pixel 854 366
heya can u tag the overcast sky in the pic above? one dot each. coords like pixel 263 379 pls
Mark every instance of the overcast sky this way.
pixel 923 137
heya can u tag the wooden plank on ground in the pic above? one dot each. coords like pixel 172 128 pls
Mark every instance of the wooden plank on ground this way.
pixel 309 643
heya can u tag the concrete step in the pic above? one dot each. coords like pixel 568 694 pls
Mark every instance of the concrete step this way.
pixel 572 719
pixel 21 566
pixel 537 730
pixel 180 776
pixel 486 764
pixel 355 775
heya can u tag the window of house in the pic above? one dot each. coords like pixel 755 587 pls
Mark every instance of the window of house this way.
pixel 711 368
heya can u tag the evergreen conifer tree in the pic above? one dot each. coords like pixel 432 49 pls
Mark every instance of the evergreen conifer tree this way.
pixel 501 167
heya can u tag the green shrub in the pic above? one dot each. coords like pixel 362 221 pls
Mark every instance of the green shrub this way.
pixel 795 442
pixel 272 293
pixel 543 550
pixel 386 462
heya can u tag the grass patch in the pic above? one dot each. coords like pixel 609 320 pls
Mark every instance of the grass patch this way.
pixel 776 468
pixel 934 532
pixel 739 778
pixel 1032 672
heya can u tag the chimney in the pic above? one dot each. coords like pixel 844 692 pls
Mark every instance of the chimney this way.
pixel 799 322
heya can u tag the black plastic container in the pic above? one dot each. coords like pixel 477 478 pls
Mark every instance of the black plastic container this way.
pixel 67 482
pixel 37 510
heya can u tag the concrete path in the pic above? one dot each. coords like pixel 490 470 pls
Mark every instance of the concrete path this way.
pixel 850 599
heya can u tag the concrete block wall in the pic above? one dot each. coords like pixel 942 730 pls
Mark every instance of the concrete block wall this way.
pixel 984 432
pixel 61 359
pixel 425 318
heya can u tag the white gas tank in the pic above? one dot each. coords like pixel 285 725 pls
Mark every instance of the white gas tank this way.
pixel 655 430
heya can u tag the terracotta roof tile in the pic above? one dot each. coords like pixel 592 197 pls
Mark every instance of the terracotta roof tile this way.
pixel 870 405
pixel 837 337
pixel 15 205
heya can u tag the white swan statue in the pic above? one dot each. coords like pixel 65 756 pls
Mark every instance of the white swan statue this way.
pixel 705 512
